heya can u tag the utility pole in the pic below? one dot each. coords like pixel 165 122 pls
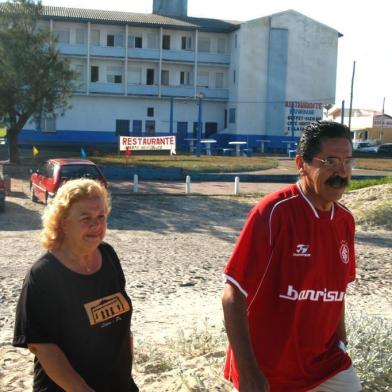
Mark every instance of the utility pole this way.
pixel 351 98
pixel 382 120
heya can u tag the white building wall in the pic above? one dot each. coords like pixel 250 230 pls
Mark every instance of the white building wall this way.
pixel 252 77
pixel 99 113
pixel 312 58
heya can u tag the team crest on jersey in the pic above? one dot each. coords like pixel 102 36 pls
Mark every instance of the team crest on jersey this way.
pixel 344 252
pixel 302 250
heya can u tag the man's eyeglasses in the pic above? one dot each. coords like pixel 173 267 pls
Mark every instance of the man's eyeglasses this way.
pixel 334 163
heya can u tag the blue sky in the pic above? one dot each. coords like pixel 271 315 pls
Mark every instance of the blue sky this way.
pixel 366 29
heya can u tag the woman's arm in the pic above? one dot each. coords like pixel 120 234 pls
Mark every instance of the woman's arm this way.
pixel 58 368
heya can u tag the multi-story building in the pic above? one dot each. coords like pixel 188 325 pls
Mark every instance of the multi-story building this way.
pixel 164 73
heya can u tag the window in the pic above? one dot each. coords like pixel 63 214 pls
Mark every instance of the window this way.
pixel 166 42
pixel 79 68
pixel 202 79
pixel 138 42
pixel 62 36
pixel 185 78
pixel 135 42
pixel 150 112
pixel 150 77
pixel 186 43
pixel 114 40
pixel 80 37
pixel 134 76
pixel 221 45
pixel 49 170
pixel 150 127
pixel 165 78
pixel 110 40
pixel 95 38
pixel 219 80
pixel 232 116
pixel 152 41
pixel 234 76
pixel 94 73
pixel 122 127
pixel 204 44
pixel 235 40
pixel 114 74
pixel 137 128
pixel 46 124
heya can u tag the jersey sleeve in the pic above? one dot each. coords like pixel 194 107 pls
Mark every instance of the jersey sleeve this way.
pixel 35 314
pixel 352 265
pixel 250 259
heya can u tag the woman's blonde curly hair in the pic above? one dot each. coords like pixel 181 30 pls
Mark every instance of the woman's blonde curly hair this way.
pixel 70 193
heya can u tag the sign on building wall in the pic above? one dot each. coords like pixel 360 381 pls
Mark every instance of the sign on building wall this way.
pixel 382 122
pixel 299 114
pixel 148 143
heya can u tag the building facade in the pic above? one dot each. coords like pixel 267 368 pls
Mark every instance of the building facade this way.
pixel 164 73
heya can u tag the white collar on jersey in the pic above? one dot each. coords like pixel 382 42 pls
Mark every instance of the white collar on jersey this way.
pixel 311 205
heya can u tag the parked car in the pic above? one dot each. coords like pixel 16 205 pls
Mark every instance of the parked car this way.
pixel 2 193
pixel 365 147
pixel 385 149
pixel 48 178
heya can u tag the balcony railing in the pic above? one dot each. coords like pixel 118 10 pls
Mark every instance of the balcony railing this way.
pixel 147 54
pixel 107 88
pixel 140 89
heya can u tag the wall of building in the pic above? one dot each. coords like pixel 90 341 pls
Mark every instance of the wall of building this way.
pixel 248 73
pixel 252 77
pixel 312 58
pixel 93 118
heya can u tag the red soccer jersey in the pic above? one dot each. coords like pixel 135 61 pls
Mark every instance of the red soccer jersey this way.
pixel 293 264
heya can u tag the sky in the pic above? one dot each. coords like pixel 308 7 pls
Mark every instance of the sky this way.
pixel 366 27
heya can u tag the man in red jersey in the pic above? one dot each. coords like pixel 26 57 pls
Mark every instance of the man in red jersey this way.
pixel 286 280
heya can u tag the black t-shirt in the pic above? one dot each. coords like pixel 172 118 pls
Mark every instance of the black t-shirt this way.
pixel 87 316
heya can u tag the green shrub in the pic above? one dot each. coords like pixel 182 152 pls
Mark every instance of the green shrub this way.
pixel 359 184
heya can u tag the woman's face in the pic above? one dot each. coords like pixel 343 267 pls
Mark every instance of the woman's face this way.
pixel 85 225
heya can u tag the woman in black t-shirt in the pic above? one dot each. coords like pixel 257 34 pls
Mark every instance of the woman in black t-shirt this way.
pixel 73 312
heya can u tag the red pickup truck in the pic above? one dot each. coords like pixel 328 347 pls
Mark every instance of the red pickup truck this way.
pixel 2 193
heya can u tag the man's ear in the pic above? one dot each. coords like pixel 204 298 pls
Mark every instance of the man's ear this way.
pixel 301 166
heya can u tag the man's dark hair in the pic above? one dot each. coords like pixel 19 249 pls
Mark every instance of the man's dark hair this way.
pixel 315 133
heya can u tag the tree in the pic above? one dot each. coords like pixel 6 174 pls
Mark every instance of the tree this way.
pixel 34 79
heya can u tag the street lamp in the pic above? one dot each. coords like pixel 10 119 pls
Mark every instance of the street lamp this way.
pixel 199 96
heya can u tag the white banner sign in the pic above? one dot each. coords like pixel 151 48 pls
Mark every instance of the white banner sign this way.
pixel 134 143
pixel 382 123
pixel 299 114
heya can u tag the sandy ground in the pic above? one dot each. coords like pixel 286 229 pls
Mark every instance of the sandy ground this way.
pixel 173 250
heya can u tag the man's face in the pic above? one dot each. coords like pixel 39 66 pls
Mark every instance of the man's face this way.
pixel 327 176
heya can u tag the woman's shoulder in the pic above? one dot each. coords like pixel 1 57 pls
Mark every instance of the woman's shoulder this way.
pixel 42 269
pixel 108 249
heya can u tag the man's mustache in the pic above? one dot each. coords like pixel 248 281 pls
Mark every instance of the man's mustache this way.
pixel 337 181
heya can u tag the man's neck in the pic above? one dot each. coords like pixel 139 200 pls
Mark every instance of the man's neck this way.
pixel 317 202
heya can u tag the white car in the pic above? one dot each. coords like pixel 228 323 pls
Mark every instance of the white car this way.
pixel 365 147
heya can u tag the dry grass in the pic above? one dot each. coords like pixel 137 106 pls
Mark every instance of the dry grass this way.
pixel 374 163
pixel 372 207
pixel 195 363
pixel 217 164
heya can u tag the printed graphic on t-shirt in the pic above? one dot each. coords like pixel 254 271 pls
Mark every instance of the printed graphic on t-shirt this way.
pixel 106 308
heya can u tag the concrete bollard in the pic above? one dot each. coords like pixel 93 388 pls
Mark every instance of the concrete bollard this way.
pixel 188 185
pixel 236 185
pixel 135 183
